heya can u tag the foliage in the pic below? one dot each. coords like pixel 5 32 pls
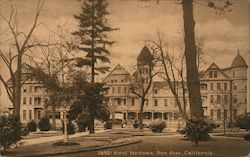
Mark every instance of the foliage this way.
pixel 136 124
pixel 243 122
pixel 10 131
pixel 32 126
pixel 157 126
pixel 198 129
pixel 82 121
pixel 25 131
pixel 70 128
pixel 108 125
pixel 93 29
pixel 91 100
pixel 44 124
pixel 247 137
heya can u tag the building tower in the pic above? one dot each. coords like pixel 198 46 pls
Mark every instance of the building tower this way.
pixel 239 85
pixel 143 64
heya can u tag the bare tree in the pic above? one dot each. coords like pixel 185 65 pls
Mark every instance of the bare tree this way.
pixel 143 82
pixel 53 69
pixel 13 58
pixel 170 72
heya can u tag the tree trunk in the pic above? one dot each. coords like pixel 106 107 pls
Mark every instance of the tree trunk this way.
pixel 141 114
pixel 17 85
pixel 193 82
pixel 91 122
pixel 53 117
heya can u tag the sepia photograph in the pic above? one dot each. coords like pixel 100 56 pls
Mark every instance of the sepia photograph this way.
pixel 124 78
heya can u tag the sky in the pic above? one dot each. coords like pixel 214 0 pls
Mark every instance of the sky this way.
pixel 224 34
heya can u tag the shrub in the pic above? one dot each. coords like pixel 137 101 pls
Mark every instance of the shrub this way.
pixel 11 131
pixel 247 137
pixel 70 128
pixel 136 124
pixel 157 126
pixel 198 129
pixel 25 131
pixel 243 122
pixel 44 124
pixel 82 121
pixel 32 126
pixel 108 125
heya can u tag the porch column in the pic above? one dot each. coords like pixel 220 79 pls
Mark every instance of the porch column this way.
pixel 162 115
pixel 152 115
pixel 168 117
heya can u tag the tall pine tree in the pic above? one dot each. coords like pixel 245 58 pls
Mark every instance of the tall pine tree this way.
pixel 93 29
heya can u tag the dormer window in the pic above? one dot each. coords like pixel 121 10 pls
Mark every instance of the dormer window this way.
pixel 213 74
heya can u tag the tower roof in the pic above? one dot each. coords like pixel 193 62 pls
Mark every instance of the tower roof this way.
pixel 145 56
pixel 238 61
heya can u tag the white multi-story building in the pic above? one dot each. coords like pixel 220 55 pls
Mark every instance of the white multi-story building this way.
pixel 159 104
pixel 33 97
pixel 224 91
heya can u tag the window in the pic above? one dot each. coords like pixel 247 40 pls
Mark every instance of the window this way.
pixel 112 81
pixel 225 114
pixel 24 100
pixel 211 99
pixel 211 86
pixel 38 101
pixel 30 114
pixel 218 115
pixel 38 114
pixel 119 101
pixel 24 114
pixel 24 90
pixel 142 71
pixel 124 101
pixel 235 87
pixel 156 91
pixel 165 102
pixel 203 87
pixel 225 86
pixel 210 74
pixel 156 102
pixel 36 89
pixel 30 89
pixel 211 114
pixel 225 99
pixel 213 74
pixel 119 90
pixel 218 99
pixel 125 90
pixel 113 90
pixel 30 101
pixel 235 113
pixel 133 102
pixel 218 86
pixel 146 70
pixel 235 98
pixel 121 80
pixel 115 81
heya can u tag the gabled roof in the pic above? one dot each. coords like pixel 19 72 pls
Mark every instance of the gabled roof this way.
pixel 214 67
pixel 238 61
pixel 23 66
pixel 118 70
pixel 145 56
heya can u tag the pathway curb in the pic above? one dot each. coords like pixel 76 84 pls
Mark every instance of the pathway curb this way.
pixel 84 149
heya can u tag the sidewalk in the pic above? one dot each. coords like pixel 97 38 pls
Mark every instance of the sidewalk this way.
pixel 39 140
